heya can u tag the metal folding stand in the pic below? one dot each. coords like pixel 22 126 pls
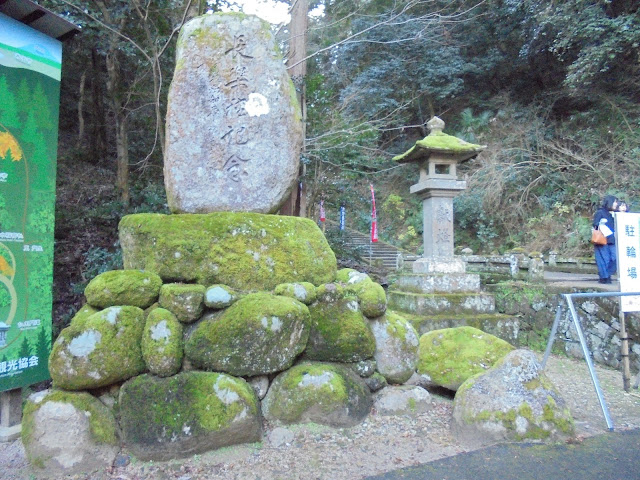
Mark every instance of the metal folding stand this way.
pixel 583 343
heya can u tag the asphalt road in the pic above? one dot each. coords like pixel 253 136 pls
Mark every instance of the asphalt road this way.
pixel 610 456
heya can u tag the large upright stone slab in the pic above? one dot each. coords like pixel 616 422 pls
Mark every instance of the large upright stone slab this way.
pixel 234 127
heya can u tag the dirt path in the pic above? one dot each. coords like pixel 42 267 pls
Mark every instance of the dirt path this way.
pixel 380 444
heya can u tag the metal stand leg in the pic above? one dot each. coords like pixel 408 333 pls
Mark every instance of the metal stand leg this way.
pixel 552 337
pixel 587 357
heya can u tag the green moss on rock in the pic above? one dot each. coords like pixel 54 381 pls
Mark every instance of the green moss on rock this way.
pixel 220 296
pixel 185 301
pixel 317 392
pixel 188 413
pixel 452 355
pixel 247 251
pixel 81 315
pixel 304 292
pixel 371 297
pixel 102 423
pixel 259 334
pixel 123 287
pixel 102 350
pixel 339 331
pixel 344 274
pixel 162 345
pixel 396 347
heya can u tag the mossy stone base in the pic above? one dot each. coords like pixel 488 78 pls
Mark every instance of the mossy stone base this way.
pixel 339 331
pixel 259 334
pixel 396 347
pixel 162 343
pixel 322 393
pixel 104 348
pixel 304 292
pixel 436 303
pixel 186 302
pixel 68 433
pixel 188 413
pixel 371 297
pixel 506 327
pixel 123 287
pixel 452 355
pixel 246 251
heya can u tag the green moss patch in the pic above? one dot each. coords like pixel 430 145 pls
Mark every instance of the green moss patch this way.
pixel 185 301
pixel 123 287
pixel 451 356
pixel 259 334
pixel 317 392
pixel 246 251
pixel 102 350
pixel 339 331
pixel 162 344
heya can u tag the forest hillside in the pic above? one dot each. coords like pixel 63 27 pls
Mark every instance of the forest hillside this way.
pixel 552 88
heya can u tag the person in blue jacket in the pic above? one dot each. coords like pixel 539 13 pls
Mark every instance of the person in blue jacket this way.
pixel 606 254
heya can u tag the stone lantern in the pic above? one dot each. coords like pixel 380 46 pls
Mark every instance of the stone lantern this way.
pixel 438 155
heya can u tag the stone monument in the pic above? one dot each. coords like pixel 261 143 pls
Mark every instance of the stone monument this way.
pixel 234 128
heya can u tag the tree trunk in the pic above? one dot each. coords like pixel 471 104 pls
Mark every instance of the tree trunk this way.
pixel 98 127
pixel 296 203
pixel 122 147
pixel 80 113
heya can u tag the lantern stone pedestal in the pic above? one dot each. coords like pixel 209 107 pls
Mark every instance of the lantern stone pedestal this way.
pixel 439 293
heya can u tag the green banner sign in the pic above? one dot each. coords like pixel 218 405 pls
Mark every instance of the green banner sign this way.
pixel 29 101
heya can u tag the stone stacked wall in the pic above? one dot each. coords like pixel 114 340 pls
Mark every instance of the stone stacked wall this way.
pixel 536 306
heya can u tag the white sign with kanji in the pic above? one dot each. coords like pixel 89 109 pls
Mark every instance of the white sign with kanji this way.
pixel 628 250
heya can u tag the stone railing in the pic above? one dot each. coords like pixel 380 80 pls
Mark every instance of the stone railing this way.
pixel 520 266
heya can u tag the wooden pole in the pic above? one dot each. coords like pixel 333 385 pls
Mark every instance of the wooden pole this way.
pixel 624 351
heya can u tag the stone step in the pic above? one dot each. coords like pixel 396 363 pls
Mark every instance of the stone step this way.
pixel 438 303
pixel 502 326
pixel 437 283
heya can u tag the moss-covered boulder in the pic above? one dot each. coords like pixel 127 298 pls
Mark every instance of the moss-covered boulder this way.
pixel 396 352
pixel 259 334
pixel 185 301
pixel 81 315
pixel 123 287
pixel 344 274
pixel 103 349
pixel 247 251
pixel 162 344
pixel 68 433
pixel 188 413
pixel 323 393
pixel 304 292
pixel 452 355
pixel 339 331
pixel 371 296
pixel 218 297
pixel 512 401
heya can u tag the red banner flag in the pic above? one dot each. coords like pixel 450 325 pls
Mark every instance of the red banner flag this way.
pixel 322 217
pixel 374 220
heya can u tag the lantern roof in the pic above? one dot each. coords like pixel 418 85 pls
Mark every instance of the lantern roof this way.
pixel 439 142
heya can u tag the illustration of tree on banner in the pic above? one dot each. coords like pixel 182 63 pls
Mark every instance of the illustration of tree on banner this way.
pixel 43 344
pixel 25 349
pixel 8 106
